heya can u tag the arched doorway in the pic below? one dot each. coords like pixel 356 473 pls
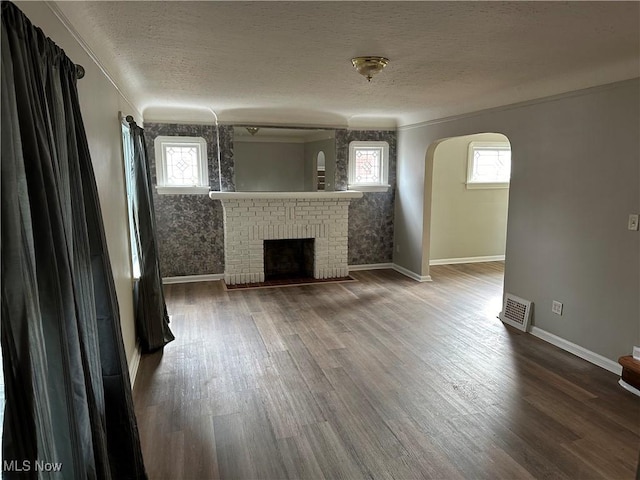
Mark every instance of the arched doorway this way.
pixel 469 195
pixel 321 171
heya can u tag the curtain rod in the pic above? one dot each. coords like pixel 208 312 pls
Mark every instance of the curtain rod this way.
pixel 79 71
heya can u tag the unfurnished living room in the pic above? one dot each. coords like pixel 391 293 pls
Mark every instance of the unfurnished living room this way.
pixel 304 240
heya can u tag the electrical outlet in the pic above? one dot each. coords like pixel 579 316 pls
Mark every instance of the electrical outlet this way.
pixel 633 222
pixel 398 248
pixel 556 307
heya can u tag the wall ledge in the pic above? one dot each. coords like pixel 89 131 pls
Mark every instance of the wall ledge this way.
pixel 323 195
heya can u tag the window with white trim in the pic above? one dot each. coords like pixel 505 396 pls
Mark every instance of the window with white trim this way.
pixel 369 166
pixel 489 165
pixel 181 165
pixel 127 152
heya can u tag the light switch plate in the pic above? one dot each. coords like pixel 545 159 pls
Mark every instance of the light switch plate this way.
pixel 633 222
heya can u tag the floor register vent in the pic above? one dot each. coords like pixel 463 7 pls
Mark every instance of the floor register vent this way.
pixel 516 312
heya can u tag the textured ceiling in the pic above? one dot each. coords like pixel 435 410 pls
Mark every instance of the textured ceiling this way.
pixel 289 62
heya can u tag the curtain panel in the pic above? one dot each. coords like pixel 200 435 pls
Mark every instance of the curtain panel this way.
pixel 152 320
pixel 68 396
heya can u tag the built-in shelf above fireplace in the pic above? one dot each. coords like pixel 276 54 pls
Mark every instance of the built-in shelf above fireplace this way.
pixel 250 218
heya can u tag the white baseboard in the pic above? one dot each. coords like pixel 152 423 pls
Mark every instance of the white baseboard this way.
pixel 393 266
pixel 410 274
pixel 371 266
pixel 577 350
pixel 454 261
pixel 628 387
pixel 193 278
pixel 352 268
pixel 134 364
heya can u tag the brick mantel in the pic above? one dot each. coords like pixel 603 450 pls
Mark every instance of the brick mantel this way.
pixel 252 217
pixel 325 195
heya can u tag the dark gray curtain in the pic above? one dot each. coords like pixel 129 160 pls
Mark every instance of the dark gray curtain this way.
pixel 68 396
pixel 152 320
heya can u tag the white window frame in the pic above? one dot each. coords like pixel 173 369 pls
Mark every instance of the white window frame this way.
pixel 160 144
pixel 473 146
pixel 383 184
pixel 129 177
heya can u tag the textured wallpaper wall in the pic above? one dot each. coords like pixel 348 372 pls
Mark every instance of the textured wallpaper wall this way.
pixel 370 217
pixel 191 227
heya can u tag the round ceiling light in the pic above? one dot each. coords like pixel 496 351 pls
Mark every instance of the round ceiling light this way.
pixel 369 66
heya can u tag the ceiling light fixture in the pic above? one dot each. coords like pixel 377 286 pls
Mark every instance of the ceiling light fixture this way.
pixel 252 130
pixel 369 66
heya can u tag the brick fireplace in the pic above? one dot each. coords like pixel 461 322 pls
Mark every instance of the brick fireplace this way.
pixel 250 218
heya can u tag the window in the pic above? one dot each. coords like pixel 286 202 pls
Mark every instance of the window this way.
pixel 181 165
pixel 369 166
pixel 489 165
pixel 130 178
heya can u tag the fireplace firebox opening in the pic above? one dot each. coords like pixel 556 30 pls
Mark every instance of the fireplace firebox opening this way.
pixel 289 259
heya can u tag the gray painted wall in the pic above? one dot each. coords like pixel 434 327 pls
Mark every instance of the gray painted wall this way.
pixel 465 222
pixel 574 180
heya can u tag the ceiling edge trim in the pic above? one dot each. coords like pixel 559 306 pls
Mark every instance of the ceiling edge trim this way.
pixel 526 103
pixel 169 119
pixel 74 33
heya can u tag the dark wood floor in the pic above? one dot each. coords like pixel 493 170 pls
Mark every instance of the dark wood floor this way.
pixel 380 378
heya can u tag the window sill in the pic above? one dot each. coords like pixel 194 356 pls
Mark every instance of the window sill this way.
pixel 182 190
pixel 370 188
pixel 481 186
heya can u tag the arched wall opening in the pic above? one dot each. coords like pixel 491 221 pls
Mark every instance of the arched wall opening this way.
pixel 567 237
pixel 320 170
pixel 462 224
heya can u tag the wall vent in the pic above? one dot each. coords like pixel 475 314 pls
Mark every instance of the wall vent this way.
pixel 516 312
